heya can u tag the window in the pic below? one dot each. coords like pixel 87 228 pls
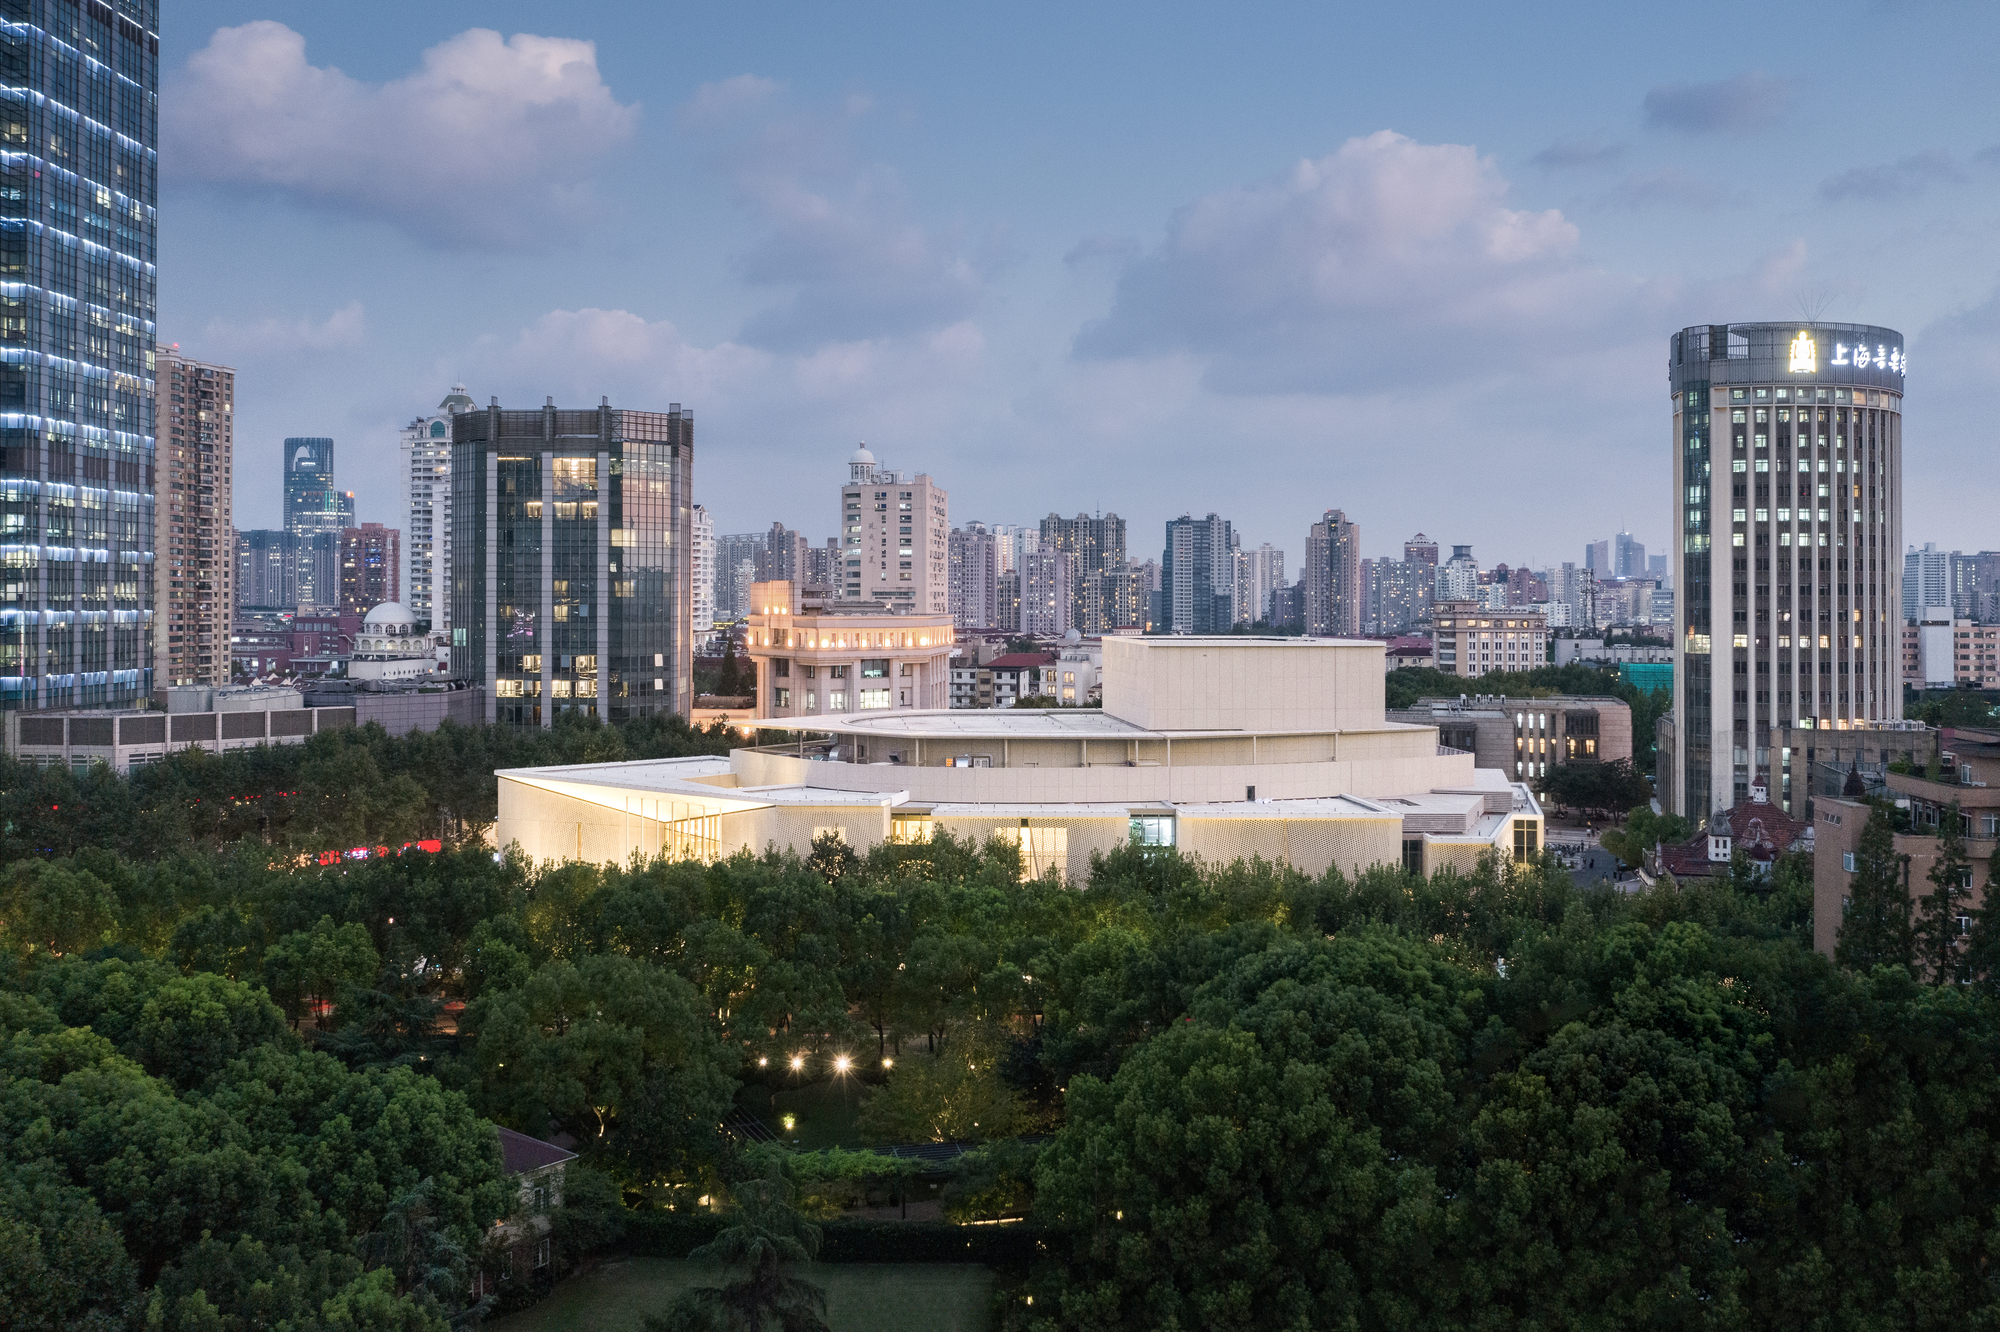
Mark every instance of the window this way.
pixel 1152 830
pixel 542 1254
pixel 908 669
pixel 874 698
pixel 1525 840
pixel 1847 861
pixel 781 667
pixel 1989 825
pixel 836 672
pixel 781 698
pixel 875 668
pixel 836 701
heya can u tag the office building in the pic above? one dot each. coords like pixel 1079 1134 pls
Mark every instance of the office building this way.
pixel 1471 638
pixel 1095 546
pixel 267 570
pixel 371 561
pixel 571 569
pixel 1628 557
pixel 1280 751
pixel 1198 576
pixel 701 573
pixel 1657 567
pixel 426 575
pixel 1525 737
pixel 194 565
pixel 817 656
pixel 1788 470
pixel 1047 581
pixel 893 528
pixel 316 512
pixel 77 388
pixel 1597 558
pixel 974 556
pixel 1927 580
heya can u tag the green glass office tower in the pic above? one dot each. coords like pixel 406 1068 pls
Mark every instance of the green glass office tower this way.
pixel 79 117
pixel 571 552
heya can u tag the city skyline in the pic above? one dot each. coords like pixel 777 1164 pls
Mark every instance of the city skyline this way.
pixel 1100 293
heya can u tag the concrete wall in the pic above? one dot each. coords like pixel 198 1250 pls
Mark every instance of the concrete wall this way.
pixel 1179 785
pixel 1197 684
pixel 1311 845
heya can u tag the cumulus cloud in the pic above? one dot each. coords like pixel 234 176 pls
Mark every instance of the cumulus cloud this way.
pixel 1386 260
pixel 280 335
pixel 1567 154
pixel 1666 187
pixel 523 118
pixel 839 239
pixel 1745 102
pixel 1904 178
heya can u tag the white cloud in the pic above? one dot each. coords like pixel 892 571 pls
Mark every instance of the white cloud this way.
pixel 522 118
pixel 282 335
pixel 839 239
pixel 1386 261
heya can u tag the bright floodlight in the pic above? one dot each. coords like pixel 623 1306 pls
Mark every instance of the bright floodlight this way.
pixel 840 1063
pixel 798 1062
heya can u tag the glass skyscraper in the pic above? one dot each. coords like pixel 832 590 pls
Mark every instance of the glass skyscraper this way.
pixel 571 561
pixel 79 118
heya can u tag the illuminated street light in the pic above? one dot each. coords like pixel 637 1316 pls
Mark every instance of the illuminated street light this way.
pixel 841 1063
pixel 798 1062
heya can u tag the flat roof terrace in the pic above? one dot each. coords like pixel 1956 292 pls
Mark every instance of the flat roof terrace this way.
pixel 1033 724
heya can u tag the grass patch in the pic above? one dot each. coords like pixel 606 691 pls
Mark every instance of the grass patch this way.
pixel 860 1297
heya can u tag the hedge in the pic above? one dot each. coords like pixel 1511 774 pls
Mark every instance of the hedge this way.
pixel 674 1235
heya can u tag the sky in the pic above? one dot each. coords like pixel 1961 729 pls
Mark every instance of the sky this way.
pixel 1418 262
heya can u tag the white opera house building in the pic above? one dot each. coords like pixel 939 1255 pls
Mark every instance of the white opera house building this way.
pixel 1227 748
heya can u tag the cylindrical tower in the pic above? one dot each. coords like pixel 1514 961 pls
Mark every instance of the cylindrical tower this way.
pixel 1788 485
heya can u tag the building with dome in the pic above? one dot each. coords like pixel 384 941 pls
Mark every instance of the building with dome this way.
pixel 894 538
pixel 426 444
pixel 393 648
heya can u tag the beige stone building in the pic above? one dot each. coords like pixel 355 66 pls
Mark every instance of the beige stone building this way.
pixel 816 657
pixel 895 543
pixel 194 570
pixel 1225 747
pixel 1471 639
pixel 1525 737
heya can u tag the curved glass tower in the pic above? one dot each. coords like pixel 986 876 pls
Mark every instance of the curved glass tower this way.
pixel 1788 482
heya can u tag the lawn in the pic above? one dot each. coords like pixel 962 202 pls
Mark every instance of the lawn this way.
pixel 860 1297
pixel 823 1112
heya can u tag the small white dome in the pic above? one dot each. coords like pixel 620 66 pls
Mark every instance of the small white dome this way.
pixel 862 455
pixel 1073 636
pixel 387 614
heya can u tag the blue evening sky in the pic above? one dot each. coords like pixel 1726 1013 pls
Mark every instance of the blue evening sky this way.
pixel 1419 262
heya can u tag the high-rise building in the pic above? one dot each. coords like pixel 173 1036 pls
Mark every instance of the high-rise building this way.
pixel 77 388
pixel 974 556
pixel 194 567
pixel 1597 558
pixel 1332 577
pixel 571 577
pixel 1628 557
pixel 701 573
pixel 894 528
pixel 267 570
pixel 1458 577
pixel 1658 566
pixel 1094 545
pixel 736 557
pixel 823 564
pixel 371 563
pixel 1048 579
pixel 784 556
pixel 1198 575
pixel 1420 549
pixel 1927 581
pixel 426 444
pixel 1126 596
pixel 1788 474
pixel 1259 573
pixel 316 512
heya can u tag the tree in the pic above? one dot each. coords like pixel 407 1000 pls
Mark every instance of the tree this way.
pixel 61 1263
pixel 729 683
pixel 953 1096
pixel 57 909
pixel 766 1238
pixel 1936 932
pixel 1875 923
pixel 591 1216
pixel 318 964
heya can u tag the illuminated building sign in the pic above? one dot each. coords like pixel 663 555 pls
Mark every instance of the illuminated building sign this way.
pixel 1805 355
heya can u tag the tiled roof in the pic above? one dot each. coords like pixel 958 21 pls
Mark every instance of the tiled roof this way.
pixel 1760 830
pixel 520 1153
